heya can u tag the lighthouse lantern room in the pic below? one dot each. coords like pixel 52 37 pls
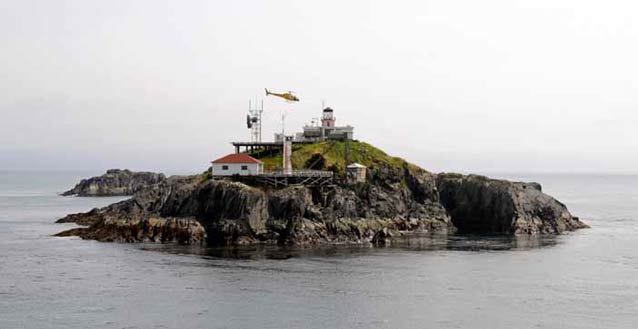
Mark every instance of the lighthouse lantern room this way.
pixel 328 119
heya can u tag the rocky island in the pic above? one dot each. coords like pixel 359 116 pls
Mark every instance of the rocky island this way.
pixel 115 182
pixel 396 199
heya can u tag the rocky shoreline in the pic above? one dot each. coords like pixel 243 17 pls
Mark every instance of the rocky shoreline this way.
pixel 396 200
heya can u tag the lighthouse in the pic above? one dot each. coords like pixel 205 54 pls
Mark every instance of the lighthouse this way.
pixel 326 130
pixel 328 119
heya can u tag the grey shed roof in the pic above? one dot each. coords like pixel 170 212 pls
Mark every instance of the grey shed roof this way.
pixel 356 165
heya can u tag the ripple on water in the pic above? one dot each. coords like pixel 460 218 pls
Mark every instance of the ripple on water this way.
pixel 586 279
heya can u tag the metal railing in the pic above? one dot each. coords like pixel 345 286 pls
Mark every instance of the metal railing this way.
pixel 298 173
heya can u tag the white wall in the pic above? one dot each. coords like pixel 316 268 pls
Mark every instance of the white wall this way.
pixel 235 169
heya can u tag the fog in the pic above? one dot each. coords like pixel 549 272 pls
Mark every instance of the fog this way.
pixel 470 86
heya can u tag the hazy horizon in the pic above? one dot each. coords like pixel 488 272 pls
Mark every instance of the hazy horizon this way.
pixel 491 86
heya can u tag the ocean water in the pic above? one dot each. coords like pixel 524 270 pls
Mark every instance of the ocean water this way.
pixel 585 279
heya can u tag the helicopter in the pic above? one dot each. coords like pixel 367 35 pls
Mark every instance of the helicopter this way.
pixel 287 96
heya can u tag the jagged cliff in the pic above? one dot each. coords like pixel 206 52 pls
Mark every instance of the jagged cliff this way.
pixel 115 182
pixel 397 199
pixel 478 204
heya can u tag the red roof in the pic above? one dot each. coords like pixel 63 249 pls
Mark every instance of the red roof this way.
pixel 237 158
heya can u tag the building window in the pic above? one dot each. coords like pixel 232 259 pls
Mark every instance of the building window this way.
pixel 244 167
pixel 224 167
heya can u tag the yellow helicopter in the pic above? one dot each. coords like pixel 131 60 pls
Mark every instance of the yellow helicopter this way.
pixel 287 96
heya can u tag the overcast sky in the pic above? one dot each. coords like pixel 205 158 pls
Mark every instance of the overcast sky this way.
pixel 471 86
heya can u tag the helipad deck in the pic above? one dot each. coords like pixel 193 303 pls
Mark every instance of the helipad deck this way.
pixel 263 146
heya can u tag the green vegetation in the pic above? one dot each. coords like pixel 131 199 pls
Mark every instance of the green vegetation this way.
pixel 330 155
pixel 207 175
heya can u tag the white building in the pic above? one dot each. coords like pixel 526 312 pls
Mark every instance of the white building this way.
pixel 316 132
pixel 237 164
pixel 327 130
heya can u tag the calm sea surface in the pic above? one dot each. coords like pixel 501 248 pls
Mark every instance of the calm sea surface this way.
pixel 586 279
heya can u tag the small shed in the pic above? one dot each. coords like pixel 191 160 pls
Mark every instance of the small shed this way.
pixel 237 164
pixel 356 173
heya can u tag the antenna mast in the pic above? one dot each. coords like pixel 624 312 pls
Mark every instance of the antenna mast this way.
pixel 253 120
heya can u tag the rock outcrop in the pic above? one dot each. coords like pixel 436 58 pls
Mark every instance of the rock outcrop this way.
pixel 225 212
pixel 398 199
pixel 478 204
pixel 115 182
pixel 137 229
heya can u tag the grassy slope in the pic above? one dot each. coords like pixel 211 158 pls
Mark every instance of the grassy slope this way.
pixel 334 156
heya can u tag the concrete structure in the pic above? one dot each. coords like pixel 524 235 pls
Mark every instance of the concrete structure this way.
pixel 287 155
pixel 328 129
pixel 237 164
pixel 356 173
